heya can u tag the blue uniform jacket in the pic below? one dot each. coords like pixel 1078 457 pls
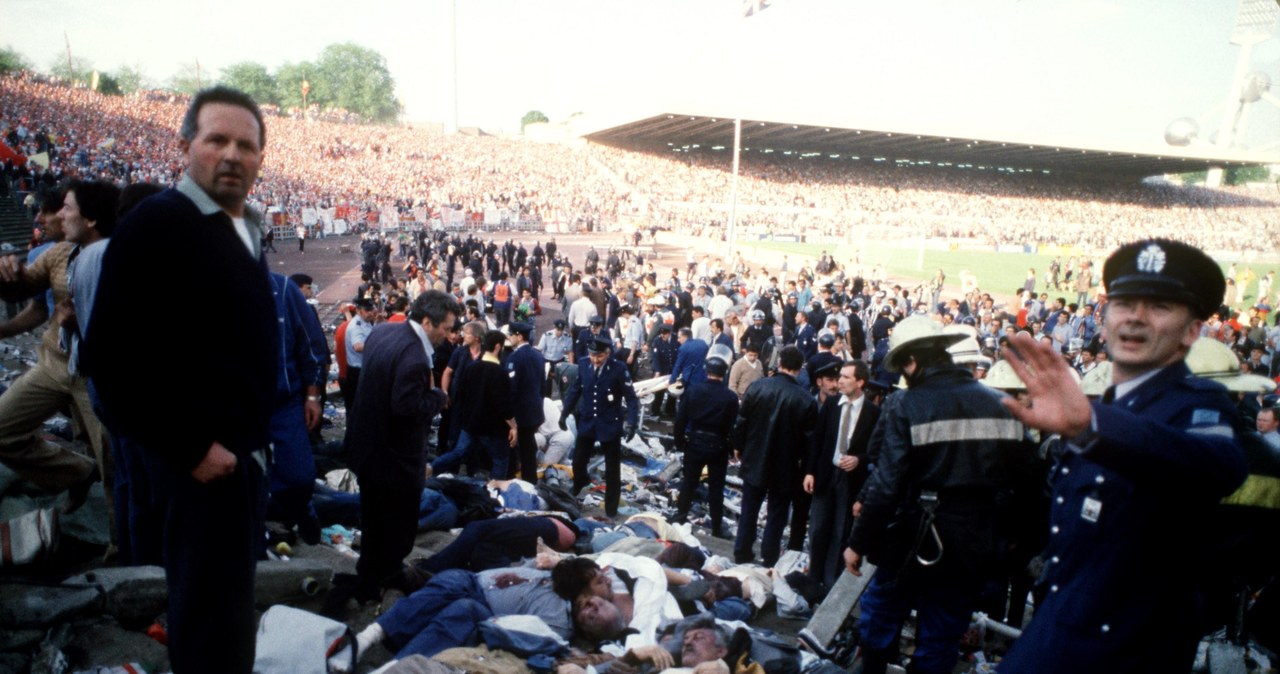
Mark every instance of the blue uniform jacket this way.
pixel 690 362
pixel 526 368
pixel 664 354
pixel 1127 527
pixel 584 338
pixel 303 349
pixel 597 402
pixel 807 341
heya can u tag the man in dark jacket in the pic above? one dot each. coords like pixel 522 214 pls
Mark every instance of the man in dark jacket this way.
pixel 204 454
pixel 776 414
pixel 704 420
pixel 663 349
pixel 526 369
pixel 947 449
pixel 485 407
pixel 837 467
pixel 386 434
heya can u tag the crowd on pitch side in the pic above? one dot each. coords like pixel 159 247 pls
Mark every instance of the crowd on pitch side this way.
pixel 367 172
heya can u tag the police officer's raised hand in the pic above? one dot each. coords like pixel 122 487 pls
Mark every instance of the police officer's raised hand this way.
pixel 1056 403
pixel 852 562
pixel 217 463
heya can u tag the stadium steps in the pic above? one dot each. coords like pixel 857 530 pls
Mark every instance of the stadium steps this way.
pixel 15 226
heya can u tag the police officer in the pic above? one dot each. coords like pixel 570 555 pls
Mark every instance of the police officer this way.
pixel 1144 467
pixel 555 346
pixel 663 349
pixel 704 419
pixel 526 370
pixel 596 401
pixel 947 449
pixel 582 344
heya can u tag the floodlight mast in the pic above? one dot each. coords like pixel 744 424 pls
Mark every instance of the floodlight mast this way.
pixel 1255 24
pixel 733 191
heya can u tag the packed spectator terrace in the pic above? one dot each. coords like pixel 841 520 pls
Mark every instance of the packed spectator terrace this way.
pixel 323 161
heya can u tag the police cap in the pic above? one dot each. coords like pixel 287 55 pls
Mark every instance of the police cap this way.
pixel 596 320
pixel 520 328
pixel 599 344
pixel 826 338
pixel 829 371
pixel 1165 269
pixel 559 323
pixel 716 367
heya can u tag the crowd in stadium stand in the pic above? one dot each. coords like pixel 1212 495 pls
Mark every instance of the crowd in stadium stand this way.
pixel 369 169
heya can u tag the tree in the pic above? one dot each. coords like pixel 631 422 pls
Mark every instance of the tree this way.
pixel 12 61
pixel 78 71
pixel 289 78
pixel 109 85
pixel 189 79
pixel 131 79
pixel 1239 175
pixel 356 79
pixel 532 117
pixel 253 79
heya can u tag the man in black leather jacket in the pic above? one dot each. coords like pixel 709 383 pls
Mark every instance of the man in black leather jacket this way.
pixel 947 451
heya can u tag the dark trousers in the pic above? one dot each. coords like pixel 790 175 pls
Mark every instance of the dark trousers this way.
pixel 612 449
pixel 943 611
pixel 717 467
pixel 801 501
pixel 212 532
pixel 389 519
pixel 293 468
pixel 526 450
pixel 753 498
pixel 349 389
pixel 829 523
pixel 493 544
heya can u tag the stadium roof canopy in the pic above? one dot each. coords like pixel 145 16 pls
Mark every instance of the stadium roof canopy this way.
pixel 678 132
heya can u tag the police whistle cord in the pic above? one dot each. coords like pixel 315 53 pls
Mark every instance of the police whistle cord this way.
pixel 929 504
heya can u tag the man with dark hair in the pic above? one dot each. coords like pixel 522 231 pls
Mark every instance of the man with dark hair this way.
pixel 1147 463
pixel 526 369
pixel 704 418
pixel 486 408
pixel 386 432
pixel 775 415
pixel 88 215
pixel 948 453
pixel 204 457
pixel 836 467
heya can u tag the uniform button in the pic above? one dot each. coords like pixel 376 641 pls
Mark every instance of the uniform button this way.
pixel 1106 628
pixel 1066 470
pixel 1054 588
pixel 1099 479
pixel 1061 500
pixel 1055 559
pixel 1053 529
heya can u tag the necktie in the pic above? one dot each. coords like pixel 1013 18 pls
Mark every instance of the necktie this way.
pixel 842 439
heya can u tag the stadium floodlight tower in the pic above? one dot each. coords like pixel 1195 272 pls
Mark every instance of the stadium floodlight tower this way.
pixel 1255 24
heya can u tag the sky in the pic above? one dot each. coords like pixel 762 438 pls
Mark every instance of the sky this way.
pixel 1088 73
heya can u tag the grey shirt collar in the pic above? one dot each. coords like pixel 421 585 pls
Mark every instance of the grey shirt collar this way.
pixel 207 206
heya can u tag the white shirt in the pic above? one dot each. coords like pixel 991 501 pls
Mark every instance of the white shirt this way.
pixel 426 343
pixel 855 409
pixel 242 228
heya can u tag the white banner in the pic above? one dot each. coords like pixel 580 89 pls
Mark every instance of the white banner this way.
pixel 309 217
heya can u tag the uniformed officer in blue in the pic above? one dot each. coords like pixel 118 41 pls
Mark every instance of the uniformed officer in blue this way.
pixel 1137 482
pixel 596 401
pixel 704 420
pixel 526 370
pixel 555 346
pixel 583 343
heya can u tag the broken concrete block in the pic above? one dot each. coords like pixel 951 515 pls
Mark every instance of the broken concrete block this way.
pixel 135 595
pixel 27 606
pixel 106 643
pixel 280 581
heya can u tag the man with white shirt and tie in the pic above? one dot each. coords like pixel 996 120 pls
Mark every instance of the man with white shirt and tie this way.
pixel 836 468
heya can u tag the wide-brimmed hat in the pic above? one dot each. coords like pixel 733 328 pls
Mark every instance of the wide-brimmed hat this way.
pixel 916 333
